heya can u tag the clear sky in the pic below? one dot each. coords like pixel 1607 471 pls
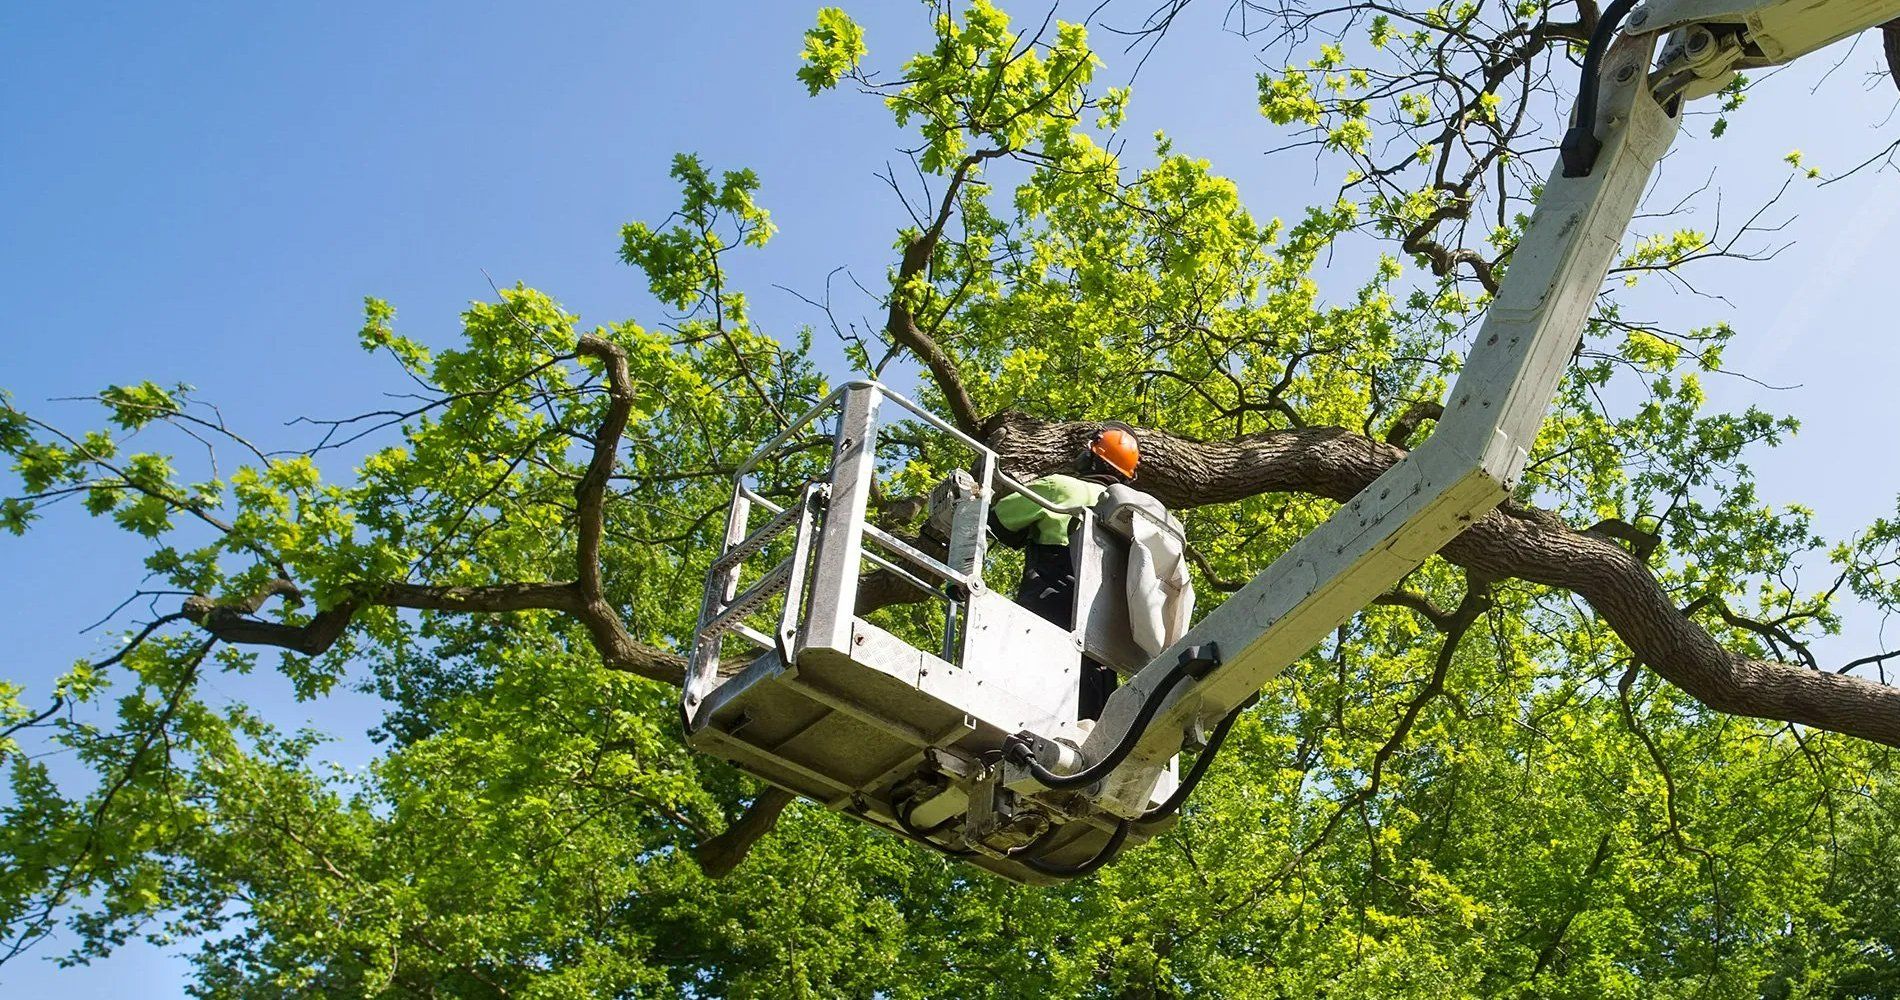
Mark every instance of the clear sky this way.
pixel 204 192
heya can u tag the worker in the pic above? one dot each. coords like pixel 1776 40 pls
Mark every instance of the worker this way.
pixel 1048 581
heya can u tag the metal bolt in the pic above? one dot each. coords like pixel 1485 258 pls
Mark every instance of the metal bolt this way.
pixel 1626 74
pixel 1699 40
pixel 1640 17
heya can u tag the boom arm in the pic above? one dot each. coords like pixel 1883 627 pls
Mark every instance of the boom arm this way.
pixel 1627 118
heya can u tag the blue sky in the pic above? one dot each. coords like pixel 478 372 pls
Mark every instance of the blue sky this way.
pixel 204 192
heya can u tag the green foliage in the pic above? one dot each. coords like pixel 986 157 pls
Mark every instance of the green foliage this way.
pixel 1734 95
pixel 832 49
pixel 1548 824
pixel 682 263
pixel 978 88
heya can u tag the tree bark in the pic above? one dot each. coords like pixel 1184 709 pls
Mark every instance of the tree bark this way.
pixel 719 855
pixel 1513 542
pixel 1890 44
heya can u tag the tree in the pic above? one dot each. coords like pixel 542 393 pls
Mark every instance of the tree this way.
pixel 1558 762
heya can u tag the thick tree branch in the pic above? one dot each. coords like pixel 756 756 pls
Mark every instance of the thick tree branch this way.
pixel 1641 542
pixel 1513 542
pixel 1402 429
pixel 590 492
pixel 902 323
pixel 1441 618
pixel 1444 260
pixel 1213 578
pixel 719 855
pixel 618 649
pixel 1890 43
pixel 583 598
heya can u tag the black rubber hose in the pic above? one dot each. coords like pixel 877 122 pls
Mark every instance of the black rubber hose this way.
pixel 1581 145
pixel 1028 854
pixel 1035 847
pixel 1023 754
pixel 1107 854
pixel 1174 802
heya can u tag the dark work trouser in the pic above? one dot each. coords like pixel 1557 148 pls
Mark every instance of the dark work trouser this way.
pixel 1048 589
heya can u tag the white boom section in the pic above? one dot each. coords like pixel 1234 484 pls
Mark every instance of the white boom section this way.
pixel 1473 459
pixel 1778 31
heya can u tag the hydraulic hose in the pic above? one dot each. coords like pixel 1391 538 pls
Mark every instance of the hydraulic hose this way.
pixel 1104 856
pixel 1173 803
pixel 1581 145
pixel 1034 848
pixel 1029 855
pixel 1193 663
pixel 1021 752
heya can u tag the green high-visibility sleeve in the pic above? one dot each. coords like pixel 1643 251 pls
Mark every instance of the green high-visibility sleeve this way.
pixel 1017 512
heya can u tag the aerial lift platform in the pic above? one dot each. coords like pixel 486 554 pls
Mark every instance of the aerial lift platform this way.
pixel 972 746
pixel 837 709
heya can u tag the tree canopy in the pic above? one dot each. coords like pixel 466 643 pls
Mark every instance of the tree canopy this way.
pixel 1584 752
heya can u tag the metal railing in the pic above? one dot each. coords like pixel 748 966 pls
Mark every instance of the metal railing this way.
pixel 819 578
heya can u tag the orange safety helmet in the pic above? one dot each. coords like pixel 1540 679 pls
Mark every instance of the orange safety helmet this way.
pixel 1117 449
